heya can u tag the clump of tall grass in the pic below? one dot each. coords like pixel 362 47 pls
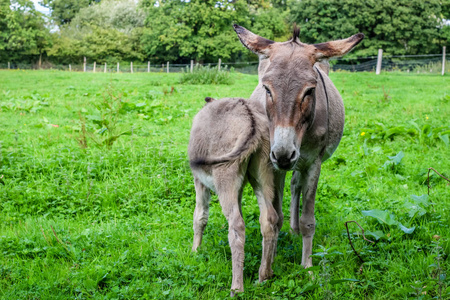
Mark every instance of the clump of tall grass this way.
pixel 206 75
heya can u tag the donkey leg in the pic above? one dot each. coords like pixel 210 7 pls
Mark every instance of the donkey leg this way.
pixel 268 220
pixel 202 197
pixel 229 186
pixel 296 189
pixel 279 178
pixel 262 182
pixel 307 220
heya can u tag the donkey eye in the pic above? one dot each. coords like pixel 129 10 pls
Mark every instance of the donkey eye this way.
pixel 310 92
pixel 268 91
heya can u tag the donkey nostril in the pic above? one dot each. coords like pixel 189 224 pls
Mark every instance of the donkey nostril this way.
pixel 273 156
pixel 293 155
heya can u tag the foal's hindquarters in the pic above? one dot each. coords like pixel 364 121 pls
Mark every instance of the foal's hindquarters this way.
pixel 229 146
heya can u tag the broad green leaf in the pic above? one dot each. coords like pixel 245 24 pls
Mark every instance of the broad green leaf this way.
pixel 397 158
pixel 414 209
pixel 415 125
pixel 405 229
pixel 376 234
pixel 444 138
pixel 310 288
pixel 421 200
pixel 343 280
pixel 384 217
pixel 395 130
pixel 426 129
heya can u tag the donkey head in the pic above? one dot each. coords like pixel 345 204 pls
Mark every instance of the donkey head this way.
pixel 286 72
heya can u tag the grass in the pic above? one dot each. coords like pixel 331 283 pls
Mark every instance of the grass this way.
pixel 116 222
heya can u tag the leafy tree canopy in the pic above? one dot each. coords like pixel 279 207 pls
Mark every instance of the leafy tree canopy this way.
pixel 63 11
pixel 22 30
pixel 104 32
pixel 396 26
pixel 201 29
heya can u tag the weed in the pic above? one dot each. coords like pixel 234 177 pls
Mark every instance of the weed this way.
pixel 206 75
pixel 106 120
pixel 438 274
pixel 424 135
pixel 386 96
pixel 30 103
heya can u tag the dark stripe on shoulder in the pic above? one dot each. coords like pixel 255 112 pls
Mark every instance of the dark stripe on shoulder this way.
pixel 252 119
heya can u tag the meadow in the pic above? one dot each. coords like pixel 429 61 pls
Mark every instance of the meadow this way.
pixel 96 194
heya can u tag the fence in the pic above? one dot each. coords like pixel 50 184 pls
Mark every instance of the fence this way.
pixel 431 63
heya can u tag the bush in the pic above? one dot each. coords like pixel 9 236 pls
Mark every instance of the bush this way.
pixel 206 75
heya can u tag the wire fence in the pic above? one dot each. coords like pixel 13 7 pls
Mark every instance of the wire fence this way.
pixel 409 63
pixel 431 63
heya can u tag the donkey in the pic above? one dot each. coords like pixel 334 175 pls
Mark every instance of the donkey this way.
pixel 229 145
pixel 306 117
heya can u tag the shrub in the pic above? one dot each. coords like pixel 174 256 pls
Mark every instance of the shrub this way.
pixel 206 75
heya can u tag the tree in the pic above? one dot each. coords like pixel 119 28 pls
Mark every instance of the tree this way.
pixel 180 30
pixel 105 32
pixel 122 15
pixel 396 26
pixel 24 35
pixel 63 11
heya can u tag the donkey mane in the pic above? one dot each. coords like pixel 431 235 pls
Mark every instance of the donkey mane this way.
pixel 295 34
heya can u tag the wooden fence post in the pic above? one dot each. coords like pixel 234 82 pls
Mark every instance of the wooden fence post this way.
pixel 105 69
pixel 167 67
pixel 9 65
pixel 84 64
pixel 148 67
pixel 95 65
pixel 220 62
pixel 443 60
pixel 118 67
pixel 379 59
pixel 192 66
pixel 70 68
pixel 131 67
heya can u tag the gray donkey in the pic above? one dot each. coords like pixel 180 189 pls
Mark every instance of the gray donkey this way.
pixel 229 145
pixel 306 117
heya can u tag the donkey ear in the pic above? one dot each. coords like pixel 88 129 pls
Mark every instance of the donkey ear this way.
pixel 337 48
pixel 258 45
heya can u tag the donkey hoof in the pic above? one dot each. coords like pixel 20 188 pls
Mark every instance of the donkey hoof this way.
pixel 264 275
pixel 310 273
pixel 235 291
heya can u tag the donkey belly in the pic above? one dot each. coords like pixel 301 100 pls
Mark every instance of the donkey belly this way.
pixel 206 178
pixel 336 116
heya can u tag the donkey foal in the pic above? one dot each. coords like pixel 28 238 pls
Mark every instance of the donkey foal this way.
pixel 229 146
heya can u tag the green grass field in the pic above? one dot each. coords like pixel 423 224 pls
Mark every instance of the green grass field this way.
pixel 113 220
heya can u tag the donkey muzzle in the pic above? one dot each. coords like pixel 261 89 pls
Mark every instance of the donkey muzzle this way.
pixel 283 153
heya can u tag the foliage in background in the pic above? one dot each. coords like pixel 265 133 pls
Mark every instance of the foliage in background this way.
pixel 107 32
pixel 63 11
pixel 179 30
pixel 399 27
pixel 23 35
